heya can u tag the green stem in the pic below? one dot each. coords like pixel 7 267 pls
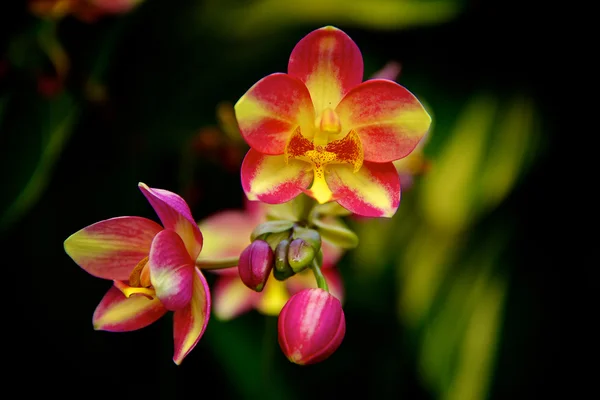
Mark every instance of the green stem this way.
pixel 217 264
pixel 321 282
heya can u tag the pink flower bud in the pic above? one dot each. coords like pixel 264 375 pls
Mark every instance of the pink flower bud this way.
pixel 255 265
pixel 311 326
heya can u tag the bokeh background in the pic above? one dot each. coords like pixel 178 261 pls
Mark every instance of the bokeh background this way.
pixel 453 298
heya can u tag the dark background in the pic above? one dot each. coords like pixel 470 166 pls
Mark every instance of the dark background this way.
pixel 165 73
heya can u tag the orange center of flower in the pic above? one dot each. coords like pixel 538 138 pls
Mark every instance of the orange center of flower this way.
pixel 321 151
pixel 139 281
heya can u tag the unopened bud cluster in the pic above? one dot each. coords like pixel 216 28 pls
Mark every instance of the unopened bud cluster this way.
pixel 283 247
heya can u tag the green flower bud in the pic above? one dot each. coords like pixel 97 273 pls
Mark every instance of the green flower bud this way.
pixel 282 269
pixel 271 227
pixel 310 236
pixel 275 238
pixel 300 255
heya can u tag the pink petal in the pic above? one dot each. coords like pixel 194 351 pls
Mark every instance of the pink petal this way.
pixel 175 214
pixel 389 120
pixel 373 191
pixel 226 233
pixel 391 71
pixel 171 270
pixel 190 322
pixel 331 254
pixel 329 63
pixel 231 297
pixel 117 313
pixel 271 180
pixel 110 249
pixel 335 282
pixel 271 110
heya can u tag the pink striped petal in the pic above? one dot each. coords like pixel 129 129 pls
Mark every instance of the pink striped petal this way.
pixel 329 63
pixel 271 110
pixel 271 180
pixel 389 120
pixel 111 249
pixel 171 270
pixel 231 297
pixel 306 280
pixel 373 191
pixel 117 313
pixel 190 322
pixel 175 214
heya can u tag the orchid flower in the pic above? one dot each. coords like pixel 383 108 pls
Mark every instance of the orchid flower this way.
pixel 319 126
pixel 228 234
pixel 152 268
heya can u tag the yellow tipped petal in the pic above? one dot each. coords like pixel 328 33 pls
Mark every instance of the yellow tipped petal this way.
pixel 117 313
pixel 190 322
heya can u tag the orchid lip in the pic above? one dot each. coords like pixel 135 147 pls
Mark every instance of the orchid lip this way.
pixel 322 151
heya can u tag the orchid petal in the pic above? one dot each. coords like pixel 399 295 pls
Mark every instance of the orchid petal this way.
pixel 175 214
pixel 117 313
pixel 227 234
pixel 335 283
pixel 274 296
pixel 190 322
pixel 171 270
pixel 111 249
pixel 231 297
pixel 389 120
pixel 373 191
pixel 273 180
pixel 390 71
pixel 329 63
pixel 306 280
pixel 331 253
pixel 271 110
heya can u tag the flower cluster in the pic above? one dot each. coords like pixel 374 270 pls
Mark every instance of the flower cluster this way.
pixel 322 147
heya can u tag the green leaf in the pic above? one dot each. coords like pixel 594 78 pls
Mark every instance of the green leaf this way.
pixel 34 134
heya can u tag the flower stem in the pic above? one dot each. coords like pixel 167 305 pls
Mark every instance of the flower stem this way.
pixel 321 282
pixel 217 264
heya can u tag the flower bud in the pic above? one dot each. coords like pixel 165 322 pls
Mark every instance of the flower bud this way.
pixel 255 265
pixel 311 326
pixel 310 236
pixel 282 270
pixel 270 227
pixel 300 255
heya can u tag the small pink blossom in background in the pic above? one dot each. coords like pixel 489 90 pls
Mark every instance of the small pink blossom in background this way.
pixel 227 235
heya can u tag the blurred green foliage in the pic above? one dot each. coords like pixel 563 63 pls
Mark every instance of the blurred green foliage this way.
pixel 444 301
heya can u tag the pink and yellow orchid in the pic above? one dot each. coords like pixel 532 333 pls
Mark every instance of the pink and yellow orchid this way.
pixel 152 268
pixel 319 125
pixel 228 234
